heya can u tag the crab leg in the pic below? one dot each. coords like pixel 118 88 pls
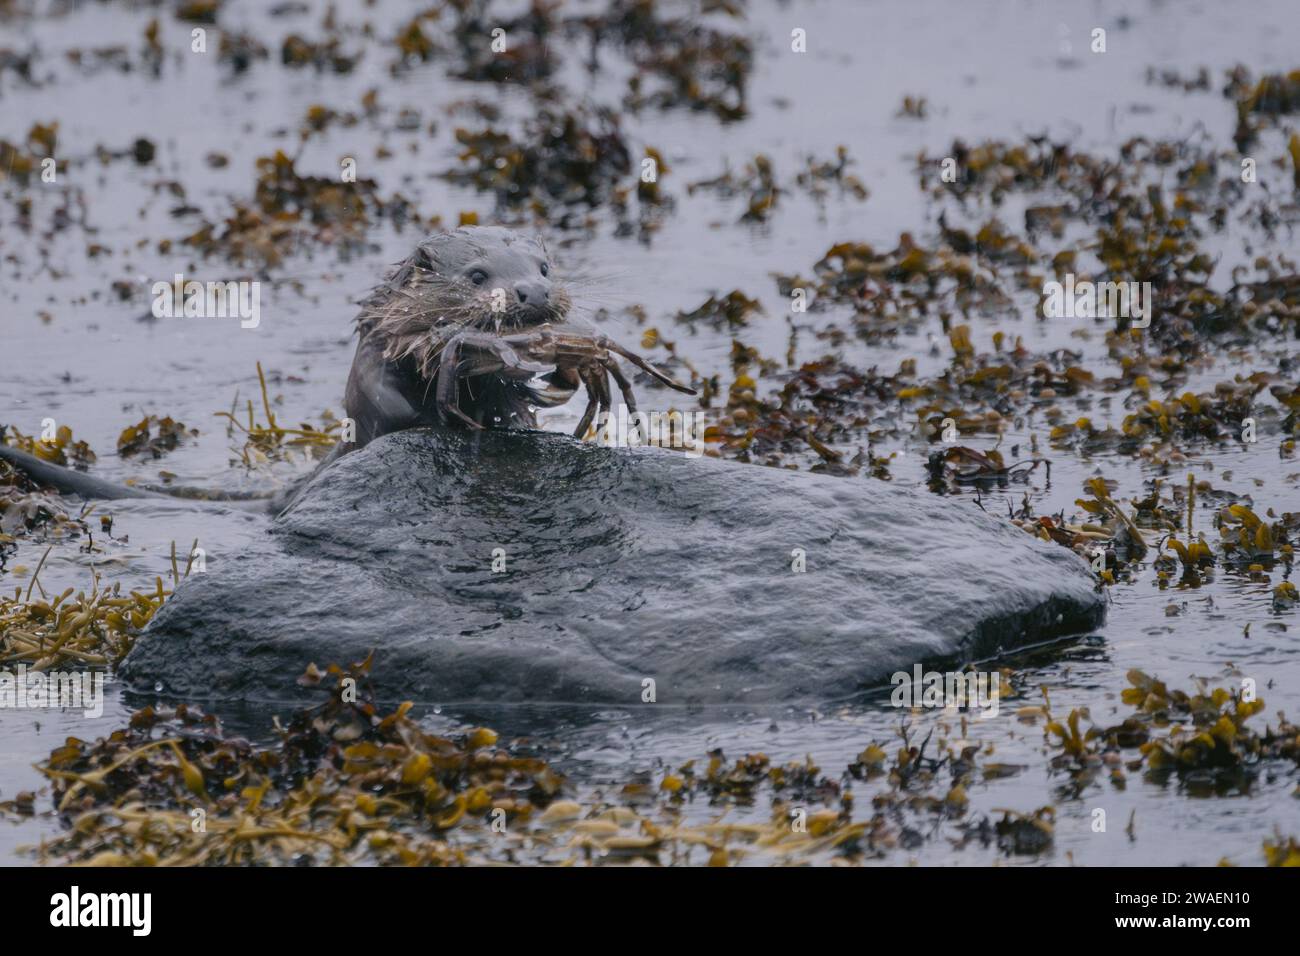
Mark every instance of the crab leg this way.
pixel 568 349
pixel 598 389
pixel 486 354
pixel 643 365
pixel 600 382
pixel 470 354
pixel 625 387
pixel 589 414
pixel 448 393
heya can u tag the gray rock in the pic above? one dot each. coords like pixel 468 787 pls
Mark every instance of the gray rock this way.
pixel 621 565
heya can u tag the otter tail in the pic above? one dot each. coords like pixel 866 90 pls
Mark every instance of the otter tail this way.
pixel 72 482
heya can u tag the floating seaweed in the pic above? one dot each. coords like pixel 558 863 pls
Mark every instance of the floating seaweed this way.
pixel 290 209
pixel 341 783
pixel 239 51
pixel 757 181
pixel 731 311
pixel 140 437
pixel 74 628
pixel 297 52
pixel 682 63
pixel 1260 102
pixel 563 160
pixel 273 442
pixel 20 162
pixel 60 449
pixel 1206 741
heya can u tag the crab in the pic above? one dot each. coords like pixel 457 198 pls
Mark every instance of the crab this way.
pixel 569 354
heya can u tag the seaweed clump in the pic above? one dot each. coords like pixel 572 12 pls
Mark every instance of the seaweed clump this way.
pixel 153 435
pixel 692 66
pixel 526 58
pixel 341 783
pixel 564 159
pixel 272 441
pixel 1200 737
pixel 1260 102
pixel 757 181
pixel 290 208
pixel 327 55
pixel 74 630
pixel 61 449
pixel 21 161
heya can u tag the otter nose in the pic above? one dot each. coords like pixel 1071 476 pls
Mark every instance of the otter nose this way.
pixel 532 293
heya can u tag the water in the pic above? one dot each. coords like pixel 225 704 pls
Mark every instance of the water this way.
pixel 987 70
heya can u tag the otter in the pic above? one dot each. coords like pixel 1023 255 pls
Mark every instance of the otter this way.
pixel 472 280
pixel 469 331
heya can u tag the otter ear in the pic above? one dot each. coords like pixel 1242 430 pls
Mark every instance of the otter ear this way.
pixel 434 251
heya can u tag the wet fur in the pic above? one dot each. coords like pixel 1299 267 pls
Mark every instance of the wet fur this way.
pixel 406 322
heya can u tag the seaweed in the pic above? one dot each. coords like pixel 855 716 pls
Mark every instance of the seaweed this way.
pixel 564 159
pixel 239 51
pixel 139 437
pixel 290 209
pixel 341 783
pixel 681 62
pixel 74 628
pixel 59 449
pixel 20 161
pixel 1260 102
pixel 757 181
pixel 731 311
pixel 328 55
pixel 272 441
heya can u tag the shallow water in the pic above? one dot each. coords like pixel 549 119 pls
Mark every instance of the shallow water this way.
pixel 987 70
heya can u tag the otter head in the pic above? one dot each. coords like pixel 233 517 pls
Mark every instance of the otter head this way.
pixel 484 278
pixel 502 280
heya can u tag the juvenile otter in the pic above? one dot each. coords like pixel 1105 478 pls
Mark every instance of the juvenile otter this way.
pixel 468 331
pixel 484 280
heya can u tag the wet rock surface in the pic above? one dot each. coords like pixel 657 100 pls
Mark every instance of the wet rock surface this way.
pixel 621 565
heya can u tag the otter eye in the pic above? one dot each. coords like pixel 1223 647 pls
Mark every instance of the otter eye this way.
pixel 546 270
pixel 478 277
